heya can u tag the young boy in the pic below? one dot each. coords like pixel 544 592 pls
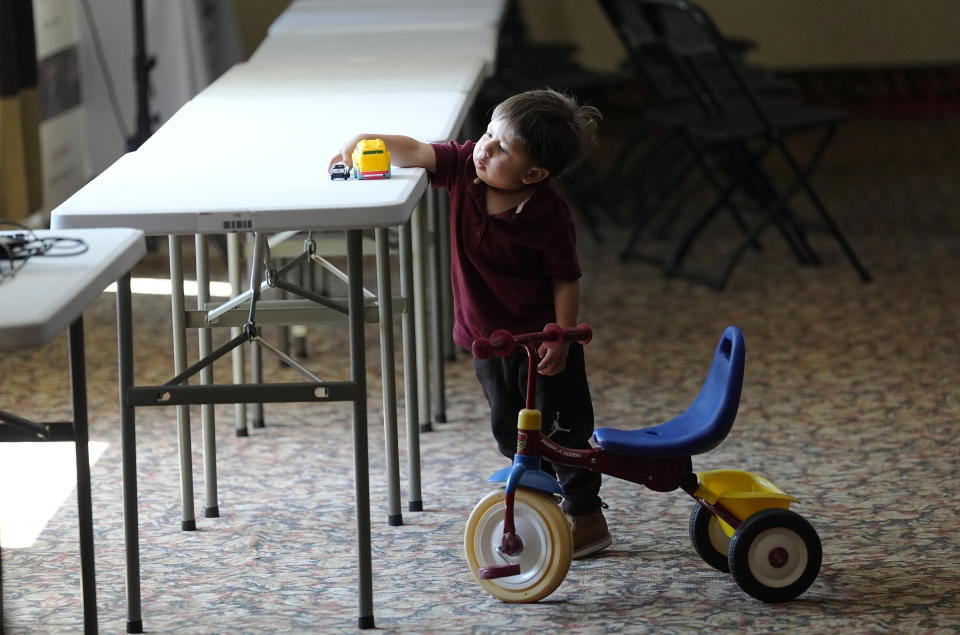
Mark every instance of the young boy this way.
pixel 515 267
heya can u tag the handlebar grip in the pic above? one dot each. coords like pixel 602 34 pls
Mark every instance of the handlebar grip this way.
pixel 482 348
pixel 555 335
pixel 581 333
pixel 501 344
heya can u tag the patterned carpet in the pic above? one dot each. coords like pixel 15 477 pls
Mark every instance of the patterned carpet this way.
pixel 850 403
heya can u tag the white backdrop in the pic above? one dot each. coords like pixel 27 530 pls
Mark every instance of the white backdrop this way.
pixel 193 42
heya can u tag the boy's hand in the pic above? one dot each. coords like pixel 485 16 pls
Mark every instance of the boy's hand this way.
pixel 346 153
pixel 552 360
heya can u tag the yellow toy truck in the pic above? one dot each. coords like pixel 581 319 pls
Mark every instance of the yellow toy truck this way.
pixel 371 160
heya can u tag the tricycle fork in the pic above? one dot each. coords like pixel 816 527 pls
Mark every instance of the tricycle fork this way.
pixel 526 462
pixel 510 544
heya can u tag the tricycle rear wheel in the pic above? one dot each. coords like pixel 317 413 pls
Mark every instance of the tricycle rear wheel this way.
pixel 709 539
pixel 775 555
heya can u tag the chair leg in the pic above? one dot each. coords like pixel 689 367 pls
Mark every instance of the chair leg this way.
pixel 623 158
pixel 774 210
pixel 717 184
pixel 586 193
pixel 779 207
pixel 818 202
pixel 634 158
pixel 679 253
pixel 673 182
pixel 760 185
pixel 652 193
pixel 652 172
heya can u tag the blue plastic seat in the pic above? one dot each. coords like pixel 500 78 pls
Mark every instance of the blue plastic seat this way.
pixel 705 423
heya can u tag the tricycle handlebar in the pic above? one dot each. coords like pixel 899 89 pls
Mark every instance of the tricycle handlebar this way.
pixel 503 343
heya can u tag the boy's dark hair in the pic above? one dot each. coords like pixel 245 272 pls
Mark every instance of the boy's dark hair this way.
pixel 556 131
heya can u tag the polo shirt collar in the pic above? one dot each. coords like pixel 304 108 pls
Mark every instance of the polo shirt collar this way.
pixel 477 186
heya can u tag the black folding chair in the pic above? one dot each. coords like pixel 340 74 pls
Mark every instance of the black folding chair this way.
pixel 665 167
pixel 730 126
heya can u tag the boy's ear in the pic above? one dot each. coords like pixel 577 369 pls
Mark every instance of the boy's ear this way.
pixel 535 175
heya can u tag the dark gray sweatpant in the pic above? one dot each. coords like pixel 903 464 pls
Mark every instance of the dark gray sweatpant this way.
pixel 567 414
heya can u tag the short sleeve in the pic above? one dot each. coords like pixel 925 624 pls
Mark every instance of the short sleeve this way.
pixel 447 164
pixel 560 260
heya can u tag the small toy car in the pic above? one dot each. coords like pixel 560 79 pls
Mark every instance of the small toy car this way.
pixel 339 172
pixel 371 160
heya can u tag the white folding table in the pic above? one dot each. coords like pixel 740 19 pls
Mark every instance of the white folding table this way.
pixel 47 295
pixel 240 132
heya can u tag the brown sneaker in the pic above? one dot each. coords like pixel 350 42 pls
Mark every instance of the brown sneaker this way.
pixel 590 533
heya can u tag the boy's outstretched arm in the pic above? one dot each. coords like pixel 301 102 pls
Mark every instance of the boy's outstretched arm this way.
pixel 405 152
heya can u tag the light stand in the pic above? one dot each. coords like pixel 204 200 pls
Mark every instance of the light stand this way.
pixel 142 65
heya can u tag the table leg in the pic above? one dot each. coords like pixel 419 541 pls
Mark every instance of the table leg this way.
pixel 188 520
pixel 388 374
pixel 233 269
pixel 449 348
pixel 419 307
pixel 78 390
pixel 358 376
pixel 211 507
pixel 128 443
pixel 436 308
pixel 411 400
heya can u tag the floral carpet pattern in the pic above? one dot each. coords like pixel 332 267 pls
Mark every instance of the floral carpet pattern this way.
pixel 850 403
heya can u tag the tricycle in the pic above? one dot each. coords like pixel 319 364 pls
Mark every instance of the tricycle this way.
pixel 518 542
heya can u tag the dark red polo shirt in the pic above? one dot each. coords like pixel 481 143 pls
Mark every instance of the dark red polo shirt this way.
pixel 502 265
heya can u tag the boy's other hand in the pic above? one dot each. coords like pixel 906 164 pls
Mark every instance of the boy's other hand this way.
pixel 552 360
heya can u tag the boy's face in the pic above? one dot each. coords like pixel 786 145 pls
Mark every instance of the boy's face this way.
pixel 502 161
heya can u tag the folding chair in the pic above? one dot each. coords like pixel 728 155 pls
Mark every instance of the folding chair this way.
pixel 734 131
pixel 664 167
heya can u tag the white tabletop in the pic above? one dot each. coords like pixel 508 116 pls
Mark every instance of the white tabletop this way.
pixel 407 56
pixel 365 16
pixel 48 293
pixel 330 70
pixel 199 194
pixel 310 126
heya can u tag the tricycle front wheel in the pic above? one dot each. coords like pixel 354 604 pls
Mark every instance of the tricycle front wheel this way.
pixel 775 555
pixel 547 545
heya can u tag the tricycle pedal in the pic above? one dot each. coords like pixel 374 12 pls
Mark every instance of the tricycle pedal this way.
pixel 499 571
